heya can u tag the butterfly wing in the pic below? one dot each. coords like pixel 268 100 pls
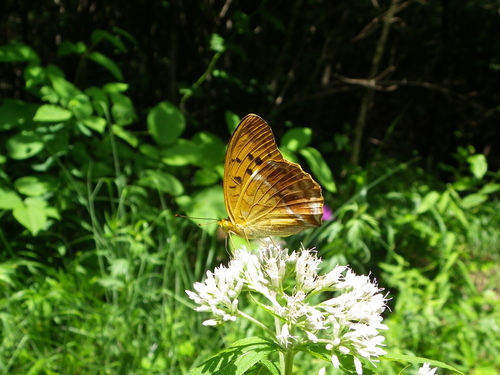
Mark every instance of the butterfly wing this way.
pixel 265 194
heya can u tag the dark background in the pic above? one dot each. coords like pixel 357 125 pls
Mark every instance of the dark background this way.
pixel 436 87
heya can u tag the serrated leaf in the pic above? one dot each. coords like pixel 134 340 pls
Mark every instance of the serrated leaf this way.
pixel 319 168
pixel 52 113
pixel 238 358
pixel 165 123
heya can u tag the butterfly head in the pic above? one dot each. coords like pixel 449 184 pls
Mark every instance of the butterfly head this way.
pixel 229 227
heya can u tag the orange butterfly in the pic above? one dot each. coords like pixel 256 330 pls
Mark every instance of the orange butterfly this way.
pixel 266 195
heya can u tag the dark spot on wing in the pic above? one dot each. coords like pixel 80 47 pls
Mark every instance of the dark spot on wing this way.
pixel 237 179
pixel 238 160
pixel 258 160
pixel 250 156
pixel 249 171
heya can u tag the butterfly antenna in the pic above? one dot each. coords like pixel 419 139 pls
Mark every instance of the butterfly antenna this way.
pixel 197 218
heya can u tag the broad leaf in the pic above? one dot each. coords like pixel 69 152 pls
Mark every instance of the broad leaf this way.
pixel 165 123
pixel 319 168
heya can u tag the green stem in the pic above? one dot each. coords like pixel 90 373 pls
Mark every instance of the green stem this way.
pixel 288 359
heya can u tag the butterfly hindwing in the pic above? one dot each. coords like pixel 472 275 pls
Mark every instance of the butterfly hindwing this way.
pixel 264 193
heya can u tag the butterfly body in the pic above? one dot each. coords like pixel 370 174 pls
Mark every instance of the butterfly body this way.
pixel 266 195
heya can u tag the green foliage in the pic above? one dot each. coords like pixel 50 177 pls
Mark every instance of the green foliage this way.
pixel 94 266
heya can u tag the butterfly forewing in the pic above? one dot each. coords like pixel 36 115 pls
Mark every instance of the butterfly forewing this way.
pixel 265 194
pixel 251 143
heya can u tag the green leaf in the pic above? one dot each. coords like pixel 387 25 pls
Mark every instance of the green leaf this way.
pixel 127 136
pixel 238 358
pixel 165 123
pixel 115 87
pixel 161 181
pixel 217 43
pixel 181 153
pixel 211 149
pixel 81 106
pixel 478 165
pixel 35 186
pixel 68 48
pixel 23 146
pixel 52 113
pixel 296 139
pixel 473 200
pixel 150 151
pixel 95 123
pixel 9 199
pixel 428 202
pixel 205 177
pixel 106 63
pixel 122 109
pixel 64 89
pixel 98 35
pixel 31 214
pixel 18 52
pixel 489 188
pixel 319 168
pixel 16 114
pixel 412 359
pixel 208 203
pixel 232 121
pixel 34 75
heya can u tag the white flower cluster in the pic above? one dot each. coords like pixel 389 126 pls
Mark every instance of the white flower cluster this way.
pixel 346 323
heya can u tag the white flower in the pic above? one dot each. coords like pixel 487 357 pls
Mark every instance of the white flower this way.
pixel 426 370
pixel 347 323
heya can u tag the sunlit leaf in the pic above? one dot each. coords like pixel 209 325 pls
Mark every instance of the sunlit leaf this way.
pixel 35 186
pixel 319 168
pixel 24 145
pixel 31 215
pixel 296 139
pixel 478 165
pixel 8 199
pixel 52 113
pixel 428 202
